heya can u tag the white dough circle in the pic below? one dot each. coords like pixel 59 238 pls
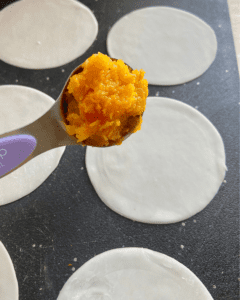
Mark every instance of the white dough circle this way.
pixel 45 34
pixel 136 274
pixel 8 279
pixel 164 173
pixel 171 45
pixel 20 106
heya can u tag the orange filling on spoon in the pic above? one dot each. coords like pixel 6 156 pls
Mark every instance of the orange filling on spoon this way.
pixel 104 101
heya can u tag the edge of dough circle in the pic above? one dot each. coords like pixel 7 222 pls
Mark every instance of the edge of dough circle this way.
pixel 8 279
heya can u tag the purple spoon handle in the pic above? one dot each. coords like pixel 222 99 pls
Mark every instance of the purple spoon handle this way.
pixel 19 146
pixel 14 150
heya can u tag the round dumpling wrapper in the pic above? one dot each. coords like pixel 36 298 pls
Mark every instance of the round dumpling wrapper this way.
pixel 164 173
pixel 45 34
pixel 21 106
pixel 136 274
pixel 8 279
pixel 171 45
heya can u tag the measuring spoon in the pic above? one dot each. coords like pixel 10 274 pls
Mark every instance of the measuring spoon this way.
pixel 19 146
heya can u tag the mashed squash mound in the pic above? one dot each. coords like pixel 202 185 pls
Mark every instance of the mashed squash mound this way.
pixel 105 101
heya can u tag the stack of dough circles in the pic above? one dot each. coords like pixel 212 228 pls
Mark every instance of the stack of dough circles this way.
pixel 171 45
pixel 136 274
pixel 45 34
pixel 8 280
pixel 21 106
pixel 165 173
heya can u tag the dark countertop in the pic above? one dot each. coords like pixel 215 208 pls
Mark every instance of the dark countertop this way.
pixel 65 219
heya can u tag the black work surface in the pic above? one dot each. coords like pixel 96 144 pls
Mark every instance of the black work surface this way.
pixel 65 219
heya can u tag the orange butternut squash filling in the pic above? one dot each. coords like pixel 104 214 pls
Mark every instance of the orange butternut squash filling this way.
pixel 105 101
